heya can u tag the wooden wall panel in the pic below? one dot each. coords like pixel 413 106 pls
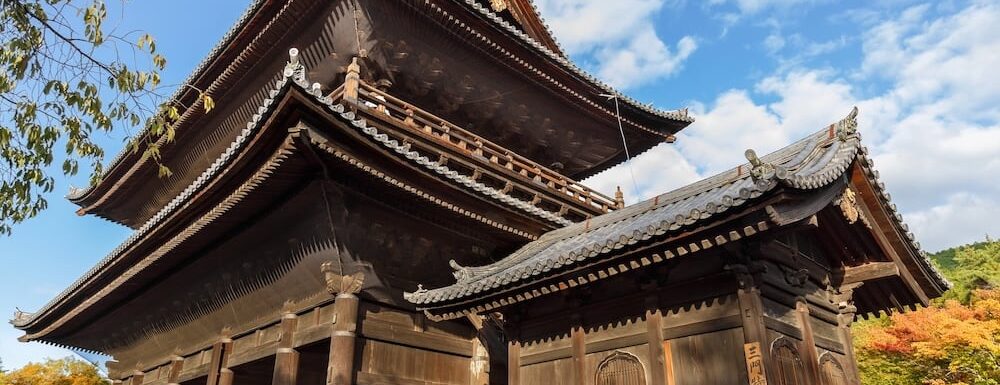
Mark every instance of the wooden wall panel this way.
pixel 383 362
pixel 781 312
pixel 824 333
pixel 709 359
pixel 556 372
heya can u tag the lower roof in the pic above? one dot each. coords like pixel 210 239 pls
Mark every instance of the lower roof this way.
pixel 812 163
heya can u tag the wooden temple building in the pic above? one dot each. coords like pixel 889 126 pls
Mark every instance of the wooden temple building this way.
pixel 386 194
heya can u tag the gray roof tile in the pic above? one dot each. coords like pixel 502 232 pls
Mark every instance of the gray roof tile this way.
pixel 810 163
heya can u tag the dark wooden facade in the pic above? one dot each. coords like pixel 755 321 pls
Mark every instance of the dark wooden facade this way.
pixel 363 150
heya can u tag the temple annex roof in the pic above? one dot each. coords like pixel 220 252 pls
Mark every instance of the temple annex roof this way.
pixel 817 161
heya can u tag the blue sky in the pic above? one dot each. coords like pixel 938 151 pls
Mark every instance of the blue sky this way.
pixel 755 73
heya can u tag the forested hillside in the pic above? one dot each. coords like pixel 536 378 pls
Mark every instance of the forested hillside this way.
pixel 954 341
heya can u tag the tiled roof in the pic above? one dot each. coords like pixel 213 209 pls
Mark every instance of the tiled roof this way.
pixel 681 115
pixel 811 163
pixel 293 75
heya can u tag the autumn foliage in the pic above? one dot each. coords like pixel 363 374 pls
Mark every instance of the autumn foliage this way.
pixel 954 341
pixel 66 371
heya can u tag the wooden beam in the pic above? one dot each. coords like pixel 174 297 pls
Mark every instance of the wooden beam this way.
pixel 286 359
pixel 867 272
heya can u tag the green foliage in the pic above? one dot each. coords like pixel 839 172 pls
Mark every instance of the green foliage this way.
pixel 65 371
pixel 954 341
pixel 975 267
pixel 63 79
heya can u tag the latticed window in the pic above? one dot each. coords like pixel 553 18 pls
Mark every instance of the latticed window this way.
pixel 833 373
pixel 621 369
pixel 786 357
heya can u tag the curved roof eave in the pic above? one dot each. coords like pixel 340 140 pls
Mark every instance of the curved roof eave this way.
pixel 811 163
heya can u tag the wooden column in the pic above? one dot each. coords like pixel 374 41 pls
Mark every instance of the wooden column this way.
pixel 809 342
pixel 577 335
pixel 343 340
pixel 844 321
pixel 286 360
pixel 218 368
pixel 214 364
pixel 137 378
pixel 752 312
pixel 226 374
pixel 176 366
pixel 480 363
pixel 654 334
pixel 514 363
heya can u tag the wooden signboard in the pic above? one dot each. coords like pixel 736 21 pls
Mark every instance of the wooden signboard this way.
pixel 755 363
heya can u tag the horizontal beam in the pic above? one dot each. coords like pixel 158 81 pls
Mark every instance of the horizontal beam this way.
pixel 869 271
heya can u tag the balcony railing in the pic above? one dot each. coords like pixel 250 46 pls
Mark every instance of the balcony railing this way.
pixel 421 122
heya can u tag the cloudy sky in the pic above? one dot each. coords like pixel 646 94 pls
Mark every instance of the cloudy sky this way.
pixel 755 73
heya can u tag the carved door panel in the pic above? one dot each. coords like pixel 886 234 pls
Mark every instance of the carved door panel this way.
pixel 621 369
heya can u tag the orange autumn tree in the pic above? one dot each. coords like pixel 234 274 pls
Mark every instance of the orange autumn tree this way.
pixel 954 341
pixel 65 371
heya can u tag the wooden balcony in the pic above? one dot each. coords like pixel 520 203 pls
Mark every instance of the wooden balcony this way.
pixel 475 156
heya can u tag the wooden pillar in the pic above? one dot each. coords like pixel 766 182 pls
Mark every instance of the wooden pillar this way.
pixel 754 331
pixel 577 335
pixel 844 321
pixel 809 342
pixel 514 363
pixel 137 378
pixel 226 374
pixel 343 340
pixel 654 334
pixel 176 366
pixel 480 363
pixel 218 368
pixel 286 360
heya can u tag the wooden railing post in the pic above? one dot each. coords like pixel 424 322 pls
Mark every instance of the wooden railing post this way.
pixel 352 82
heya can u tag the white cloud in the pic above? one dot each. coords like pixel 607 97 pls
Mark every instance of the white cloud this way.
pixel 961 219
pixel 774 42
pixel 620 36
pixel 754 6
pixel 656 171
pixel 933 128
pixel 643 59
